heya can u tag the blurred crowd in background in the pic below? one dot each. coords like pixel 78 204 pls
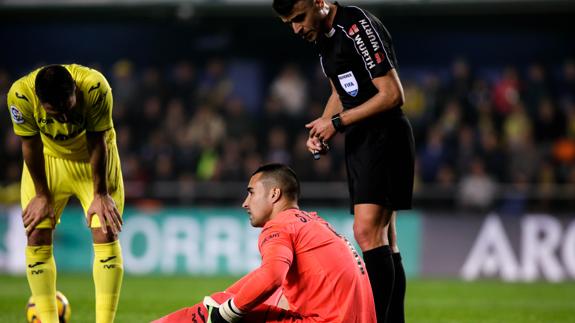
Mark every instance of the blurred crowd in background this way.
pixel 485 137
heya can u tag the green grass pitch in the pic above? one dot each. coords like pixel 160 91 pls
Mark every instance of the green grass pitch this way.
pixel 145 298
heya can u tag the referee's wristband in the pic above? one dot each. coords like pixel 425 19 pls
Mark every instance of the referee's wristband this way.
pixel 337 124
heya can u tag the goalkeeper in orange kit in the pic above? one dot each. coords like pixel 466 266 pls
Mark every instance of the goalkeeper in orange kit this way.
pixel 319 273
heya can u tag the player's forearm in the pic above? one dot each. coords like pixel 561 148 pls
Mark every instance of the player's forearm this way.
pixel 333 105
pixel 32 152
pixel 389 96
pixel 261 285
pixel 235 287
pixel 98 159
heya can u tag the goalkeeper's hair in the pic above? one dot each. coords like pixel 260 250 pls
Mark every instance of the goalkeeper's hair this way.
pixel 54 84
pixel 284 7
pixel 283 176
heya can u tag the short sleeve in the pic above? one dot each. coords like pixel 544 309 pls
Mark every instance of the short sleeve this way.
pixel 21 108
pixel 276 245
pixel 100 103
pixel 372 43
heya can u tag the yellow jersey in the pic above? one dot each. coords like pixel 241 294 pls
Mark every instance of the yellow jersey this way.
pixel 93 112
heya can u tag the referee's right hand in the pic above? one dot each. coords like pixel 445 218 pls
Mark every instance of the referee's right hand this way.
pixel 315 146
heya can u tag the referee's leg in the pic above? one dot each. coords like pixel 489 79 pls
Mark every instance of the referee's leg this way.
pixel 396 311
pixel 371 228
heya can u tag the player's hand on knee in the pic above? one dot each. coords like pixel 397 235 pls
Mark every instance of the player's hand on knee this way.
pixel 104 207
pixel 222 313
pixel 39 208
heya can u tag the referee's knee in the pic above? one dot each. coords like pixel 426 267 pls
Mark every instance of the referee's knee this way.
pixel 367 236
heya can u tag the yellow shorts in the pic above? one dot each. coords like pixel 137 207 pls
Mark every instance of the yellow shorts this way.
pixel 67 178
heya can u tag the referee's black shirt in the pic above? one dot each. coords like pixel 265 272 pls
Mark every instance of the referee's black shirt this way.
pixel 356 50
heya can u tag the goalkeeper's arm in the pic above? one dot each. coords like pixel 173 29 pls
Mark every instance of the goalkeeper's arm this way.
pixel 263 282
pixel 222 313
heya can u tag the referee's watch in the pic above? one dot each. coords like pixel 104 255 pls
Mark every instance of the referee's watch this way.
pixel 337 124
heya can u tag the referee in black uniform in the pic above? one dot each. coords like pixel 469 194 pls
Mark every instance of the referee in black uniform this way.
pixel 357 56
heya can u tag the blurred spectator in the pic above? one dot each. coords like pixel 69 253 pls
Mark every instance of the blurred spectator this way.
pixel 445 188
pixel 207 127
pixel 290 88
pixel 250 162
pixel 546 185
pixel 461 81
pixel 123 82
pixel 476 190
pixel 207 161
pixel 517 126
pixel 152 83
pixel 567 82
pixel 239 122
pixel 536 88
pixel 432 156
pixel 135 176
pixel 523 157
pixel 302 158
pixel 515 197
pixel 449 123
pixel 549 124
pixel 493 155
pixel 506 91
pixel 415 106
pixel 320 89
pixel 229 167
pixel 205 132
pixel 181 122
pixel 147 119
pixel 183 85
pixel 175 119
pixel 278 147
pixel 466 149
pixel 164 168
pixel 215 85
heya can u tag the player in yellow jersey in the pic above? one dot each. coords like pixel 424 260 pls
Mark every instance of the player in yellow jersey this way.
pixel 63 114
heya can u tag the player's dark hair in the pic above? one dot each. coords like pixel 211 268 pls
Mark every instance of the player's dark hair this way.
pixel 54 84
pixel 284 7
pixel 284 176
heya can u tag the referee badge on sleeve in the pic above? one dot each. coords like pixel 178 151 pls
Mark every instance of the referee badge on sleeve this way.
pixel 348 83
pixel 17 116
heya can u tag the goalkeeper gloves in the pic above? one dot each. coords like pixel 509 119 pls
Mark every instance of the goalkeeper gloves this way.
pixel 222 313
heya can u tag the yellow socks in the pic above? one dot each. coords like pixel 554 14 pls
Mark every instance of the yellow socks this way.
pixel 108 272
pixel 41 273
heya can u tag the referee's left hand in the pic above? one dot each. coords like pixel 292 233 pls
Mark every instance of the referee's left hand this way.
pixel 321 128
pixel 104 207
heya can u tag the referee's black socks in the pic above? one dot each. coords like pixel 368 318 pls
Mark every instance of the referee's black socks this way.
pixel 381 271
pixel 395 313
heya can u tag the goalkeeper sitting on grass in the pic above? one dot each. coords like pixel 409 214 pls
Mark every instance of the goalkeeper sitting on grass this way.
pixel 318 271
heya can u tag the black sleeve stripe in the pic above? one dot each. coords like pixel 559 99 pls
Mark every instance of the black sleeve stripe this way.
pixel 231 307
pixel 377 34
pixel 357 50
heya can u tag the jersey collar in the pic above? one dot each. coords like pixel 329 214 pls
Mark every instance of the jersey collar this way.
pixel 330 33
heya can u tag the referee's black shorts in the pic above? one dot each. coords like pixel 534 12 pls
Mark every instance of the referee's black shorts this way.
pixel 380 161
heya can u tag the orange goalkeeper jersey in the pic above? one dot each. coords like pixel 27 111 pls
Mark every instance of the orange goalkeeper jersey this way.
pixel 321 274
